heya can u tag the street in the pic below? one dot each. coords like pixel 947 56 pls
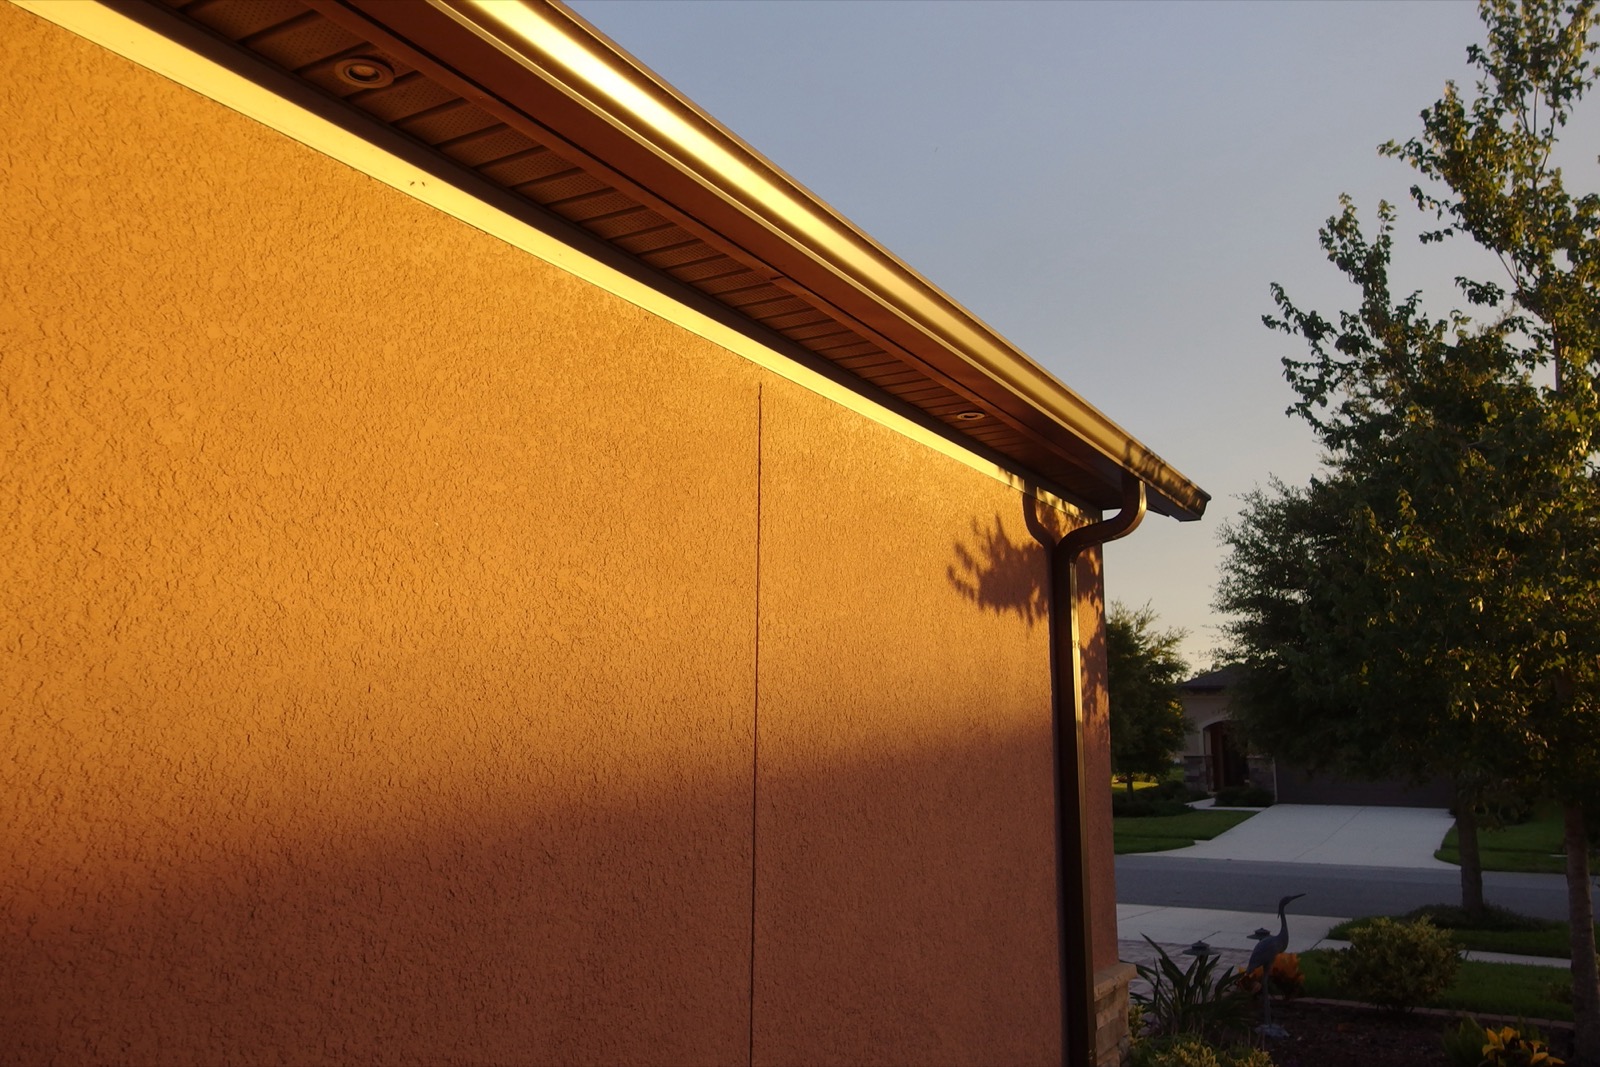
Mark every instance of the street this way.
pixel 1240 885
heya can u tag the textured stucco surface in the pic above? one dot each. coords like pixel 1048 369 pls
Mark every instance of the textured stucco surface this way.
pixel 380 619
pixel 378 615
pixel 1097 836
pixel 905 756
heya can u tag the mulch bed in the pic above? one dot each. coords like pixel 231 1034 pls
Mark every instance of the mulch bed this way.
pixel 1331 1034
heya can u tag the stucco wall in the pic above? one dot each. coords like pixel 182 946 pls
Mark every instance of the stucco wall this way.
pixel 904 756
pixel 1098 838
pixel 378 650
pixel 413 653
pixel 1199 711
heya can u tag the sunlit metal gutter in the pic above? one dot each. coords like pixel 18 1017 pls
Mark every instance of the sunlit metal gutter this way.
pixel 546 61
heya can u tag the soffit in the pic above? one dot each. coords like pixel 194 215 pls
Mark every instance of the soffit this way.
pixel 487 112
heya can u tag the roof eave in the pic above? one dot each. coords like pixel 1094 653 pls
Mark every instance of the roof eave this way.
pixel 591 94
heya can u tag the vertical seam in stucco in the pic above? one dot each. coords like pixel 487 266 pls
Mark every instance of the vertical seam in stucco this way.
pixel 755 731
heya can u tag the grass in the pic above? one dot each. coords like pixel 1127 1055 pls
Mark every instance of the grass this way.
pixel 1533 847
pixel 1503 931
pixel 1161 833
pixel 1513 989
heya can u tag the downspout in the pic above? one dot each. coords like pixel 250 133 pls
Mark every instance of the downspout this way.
pixel 1072 872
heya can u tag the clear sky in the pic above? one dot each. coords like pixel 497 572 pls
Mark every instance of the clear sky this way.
pixel 1111 186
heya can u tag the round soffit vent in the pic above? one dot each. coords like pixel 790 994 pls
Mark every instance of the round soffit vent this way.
pixel 364 72
pixel 969 416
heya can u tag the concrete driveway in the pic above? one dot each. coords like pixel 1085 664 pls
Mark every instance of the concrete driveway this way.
pixel 1294 833
pixel 1334 834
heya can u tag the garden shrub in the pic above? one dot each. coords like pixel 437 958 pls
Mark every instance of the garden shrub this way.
pixel 1397 966
pixel 1175 789
pixel 1244 796
pixel 1192 1051
pixel 1136 806
pixel 1187 1051
pixel 1494 917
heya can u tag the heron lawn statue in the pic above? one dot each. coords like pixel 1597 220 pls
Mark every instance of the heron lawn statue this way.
pixel 1268 947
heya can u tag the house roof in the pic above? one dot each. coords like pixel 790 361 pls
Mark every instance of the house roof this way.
pixel 531 97
pixel 1214 681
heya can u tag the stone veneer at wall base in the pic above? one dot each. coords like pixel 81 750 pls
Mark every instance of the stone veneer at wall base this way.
pixel 418 649
pixel 1112 1039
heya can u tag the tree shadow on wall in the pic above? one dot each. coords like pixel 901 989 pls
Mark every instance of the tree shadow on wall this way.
pixel 1006 576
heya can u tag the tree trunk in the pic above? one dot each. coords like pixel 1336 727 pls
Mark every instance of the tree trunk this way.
pixel 1471 864
pixel 1580 910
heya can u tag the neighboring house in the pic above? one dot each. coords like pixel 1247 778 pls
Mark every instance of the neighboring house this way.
pixel 496 572
pixel 1215 758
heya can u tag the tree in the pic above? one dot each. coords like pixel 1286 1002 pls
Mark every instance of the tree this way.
pixel 1143 670
pixel 1332 678
pixel 1467 443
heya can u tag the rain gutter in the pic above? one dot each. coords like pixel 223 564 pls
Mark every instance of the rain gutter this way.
pixel 1072 799
pixel 547 64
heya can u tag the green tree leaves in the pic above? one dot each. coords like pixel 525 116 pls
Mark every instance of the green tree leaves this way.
pixel 1144 669
pixel 1441 584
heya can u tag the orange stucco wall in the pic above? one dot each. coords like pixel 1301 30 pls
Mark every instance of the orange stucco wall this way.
pixel 1097 758
pixel 409 652
pixel 905 773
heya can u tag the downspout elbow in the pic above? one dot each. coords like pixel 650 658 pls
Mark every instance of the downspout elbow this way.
pixel 1123 523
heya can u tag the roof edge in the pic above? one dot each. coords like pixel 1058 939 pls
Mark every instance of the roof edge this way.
pixel 802 240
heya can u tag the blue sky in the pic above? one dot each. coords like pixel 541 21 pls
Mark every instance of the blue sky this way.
pixel 1112 186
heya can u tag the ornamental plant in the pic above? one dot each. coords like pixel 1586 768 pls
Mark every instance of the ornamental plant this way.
pixel 1192 1051
pixel 1463 1046
pixel 1397 966
pixel 1287 978
pixel 1507 1047
pixel 1200 999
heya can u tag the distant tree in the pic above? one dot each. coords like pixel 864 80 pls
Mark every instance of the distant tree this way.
pixel 1334 676
pixel 1466 445
pixel 1144 669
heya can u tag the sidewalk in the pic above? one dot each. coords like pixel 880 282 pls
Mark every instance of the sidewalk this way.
pixel 1219 929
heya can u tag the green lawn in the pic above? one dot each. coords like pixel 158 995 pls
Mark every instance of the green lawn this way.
pixel 1534 847
pixel 1161 833
pixel 1513 989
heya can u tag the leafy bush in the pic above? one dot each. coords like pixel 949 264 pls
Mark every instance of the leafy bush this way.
pixel 1198 1000
pixel 1244 796
pixel 1136 806
pixel 1494 917
pixel 1397 966
pixel 1504 803
pixel 1192 1051
pixel 1175 789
